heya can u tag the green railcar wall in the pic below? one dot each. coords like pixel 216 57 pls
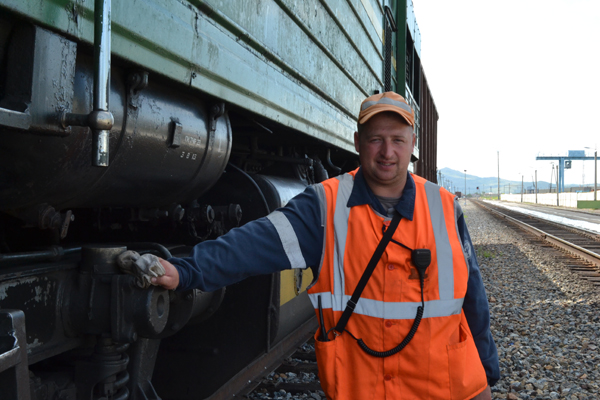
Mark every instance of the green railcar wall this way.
pixel 306 64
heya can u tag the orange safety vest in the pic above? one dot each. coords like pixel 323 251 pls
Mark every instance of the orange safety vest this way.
pixel 441 361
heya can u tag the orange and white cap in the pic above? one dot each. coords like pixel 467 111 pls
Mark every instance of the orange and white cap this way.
pixel 388 101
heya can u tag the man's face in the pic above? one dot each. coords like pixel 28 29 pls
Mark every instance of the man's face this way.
pixel 384 147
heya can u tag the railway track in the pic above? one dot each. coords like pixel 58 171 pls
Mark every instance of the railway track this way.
pixel 297 377
pixel 285 357
pixel 581 249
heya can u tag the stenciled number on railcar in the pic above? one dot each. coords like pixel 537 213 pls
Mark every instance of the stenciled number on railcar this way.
pixel 187 155
pixel 194 141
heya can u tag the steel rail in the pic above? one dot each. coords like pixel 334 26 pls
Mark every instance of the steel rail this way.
pixel 579 251
pixel 249 376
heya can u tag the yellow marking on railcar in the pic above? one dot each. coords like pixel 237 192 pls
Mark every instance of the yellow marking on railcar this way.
pixel 294 282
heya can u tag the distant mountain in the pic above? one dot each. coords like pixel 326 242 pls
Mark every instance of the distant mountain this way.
pixel 455 182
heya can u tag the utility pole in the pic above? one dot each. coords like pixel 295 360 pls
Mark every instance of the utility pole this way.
pixel 595 172
pixel 536 188
pixel 498 176
pixel 465 187
pixel 557 188
pixel 551 176
pixel 522 176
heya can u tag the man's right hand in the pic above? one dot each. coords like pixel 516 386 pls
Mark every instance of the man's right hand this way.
pixel 170 280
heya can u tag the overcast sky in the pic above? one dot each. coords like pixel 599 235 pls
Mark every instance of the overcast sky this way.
pixel 520 77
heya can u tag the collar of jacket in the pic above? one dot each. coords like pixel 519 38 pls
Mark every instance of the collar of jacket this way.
pixel 362 194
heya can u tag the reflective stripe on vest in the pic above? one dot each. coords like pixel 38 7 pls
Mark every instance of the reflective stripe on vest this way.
pixel 446 305
pixel 390 310
pixel 320 190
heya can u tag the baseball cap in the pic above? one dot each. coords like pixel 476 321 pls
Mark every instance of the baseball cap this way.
pixel 387 101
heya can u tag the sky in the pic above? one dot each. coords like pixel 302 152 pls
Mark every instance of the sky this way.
pixel 518 79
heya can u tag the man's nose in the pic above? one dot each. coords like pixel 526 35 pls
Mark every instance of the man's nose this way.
pixel 386 149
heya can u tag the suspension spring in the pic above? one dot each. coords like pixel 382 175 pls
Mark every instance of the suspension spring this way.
pixel 112 358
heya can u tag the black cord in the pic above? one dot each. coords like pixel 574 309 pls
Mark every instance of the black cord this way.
pixel 407 339
pixel 398 348
pixel 421 258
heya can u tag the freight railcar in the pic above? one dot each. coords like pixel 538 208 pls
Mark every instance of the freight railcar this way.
pixel 152 125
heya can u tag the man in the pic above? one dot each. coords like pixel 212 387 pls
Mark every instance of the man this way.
pixel 335 226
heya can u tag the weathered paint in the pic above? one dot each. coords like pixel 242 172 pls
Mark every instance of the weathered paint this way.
pixel 5 286
pixel 37 296
pixel 373 17
pixel 302 64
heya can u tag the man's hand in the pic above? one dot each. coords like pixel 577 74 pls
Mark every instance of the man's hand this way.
pixel 170 280
pixel 485 395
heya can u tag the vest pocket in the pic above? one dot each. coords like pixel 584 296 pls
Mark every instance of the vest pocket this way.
pixel 325 352
pixel 467 376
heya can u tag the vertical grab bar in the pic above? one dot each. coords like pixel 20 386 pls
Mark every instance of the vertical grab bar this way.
pixel 102 21
pixel 100 120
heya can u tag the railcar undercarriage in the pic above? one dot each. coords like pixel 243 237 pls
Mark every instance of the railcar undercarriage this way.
pixel 181 169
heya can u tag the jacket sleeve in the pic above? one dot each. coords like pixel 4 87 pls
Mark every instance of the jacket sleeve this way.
pixel 290 237
pixel 477 310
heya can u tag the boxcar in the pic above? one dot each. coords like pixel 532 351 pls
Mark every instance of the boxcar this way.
pixel 152 125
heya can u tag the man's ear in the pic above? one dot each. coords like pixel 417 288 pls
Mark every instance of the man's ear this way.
pixel 414 140
pixel 356 141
